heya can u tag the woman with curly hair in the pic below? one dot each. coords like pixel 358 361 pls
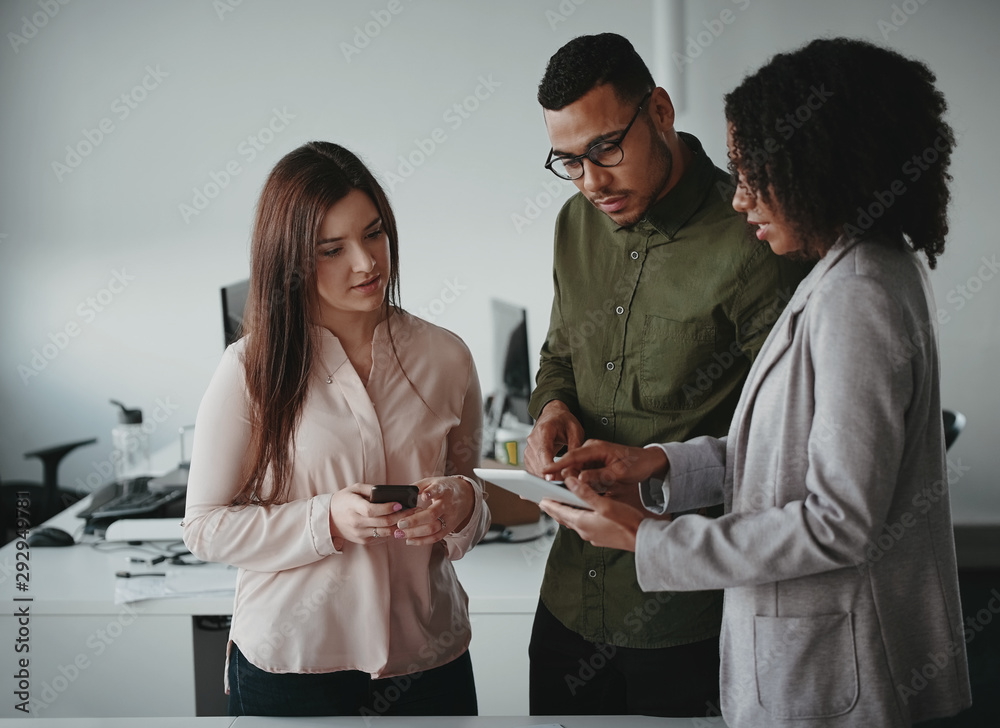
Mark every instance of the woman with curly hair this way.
pixel 836 551
pixel 343 606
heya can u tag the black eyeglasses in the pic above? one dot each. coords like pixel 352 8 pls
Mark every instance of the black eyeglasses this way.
pixel 603 154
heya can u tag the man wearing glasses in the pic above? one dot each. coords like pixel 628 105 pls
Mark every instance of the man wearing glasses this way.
pixel 662 299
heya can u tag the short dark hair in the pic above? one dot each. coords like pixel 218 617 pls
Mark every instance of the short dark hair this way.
pixel 589 61
pixel 846 135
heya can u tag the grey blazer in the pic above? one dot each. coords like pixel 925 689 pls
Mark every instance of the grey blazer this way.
pixel 836 551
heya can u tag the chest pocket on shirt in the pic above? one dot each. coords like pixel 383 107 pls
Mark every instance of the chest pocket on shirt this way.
pixel 676 357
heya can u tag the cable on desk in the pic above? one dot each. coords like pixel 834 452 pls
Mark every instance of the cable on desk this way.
pixel 178 560
pixel 111 546
pixel 173 552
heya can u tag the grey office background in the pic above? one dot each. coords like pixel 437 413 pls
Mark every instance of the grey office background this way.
pixel 136 136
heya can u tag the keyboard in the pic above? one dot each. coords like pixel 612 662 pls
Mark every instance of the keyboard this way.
pixel 131 499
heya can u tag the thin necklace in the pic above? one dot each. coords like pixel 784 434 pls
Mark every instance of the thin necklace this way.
pixel 322 361
pixel 329 374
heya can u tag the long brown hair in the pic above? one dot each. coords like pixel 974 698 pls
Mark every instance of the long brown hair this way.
pixel 279 351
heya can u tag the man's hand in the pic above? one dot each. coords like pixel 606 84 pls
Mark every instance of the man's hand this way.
pixel 611 524
pixel 555 428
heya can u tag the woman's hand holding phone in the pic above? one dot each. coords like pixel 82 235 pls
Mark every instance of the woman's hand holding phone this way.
pixel 444 507
pixel 354 518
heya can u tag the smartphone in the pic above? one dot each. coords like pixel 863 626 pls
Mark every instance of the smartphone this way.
pixel 405 495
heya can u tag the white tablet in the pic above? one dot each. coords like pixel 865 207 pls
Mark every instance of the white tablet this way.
pixel 531 487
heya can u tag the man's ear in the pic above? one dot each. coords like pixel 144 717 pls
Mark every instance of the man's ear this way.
pixel 661 110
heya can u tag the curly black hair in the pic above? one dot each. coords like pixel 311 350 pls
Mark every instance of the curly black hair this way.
pixel 847 137
pixel 589 61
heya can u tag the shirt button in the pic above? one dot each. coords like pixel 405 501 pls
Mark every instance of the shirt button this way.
pixel 610 365
pixel 635 255
pixel 620 310
pixel 604 420
pixel 591 573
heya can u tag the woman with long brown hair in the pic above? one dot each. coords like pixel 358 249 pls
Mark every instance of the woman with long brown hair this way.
pixel 343 606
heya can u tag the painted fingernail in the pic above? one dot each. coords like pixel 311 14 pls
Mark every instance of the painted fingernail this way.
pixel 397 507
pixel 403 524
pixel 399 534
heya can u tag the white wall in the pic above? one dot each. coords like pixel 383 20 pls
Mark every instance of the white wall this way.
pixel 222 75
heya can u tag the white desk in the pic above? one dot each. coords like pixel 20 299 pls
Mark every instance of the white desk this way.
pixel 90 658
pixel 205 722
pixel 566 721
pixel 617 721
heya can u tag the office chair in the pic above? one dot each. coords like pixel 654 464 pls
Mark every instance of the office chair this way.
pixel 954 423
pixel 46 498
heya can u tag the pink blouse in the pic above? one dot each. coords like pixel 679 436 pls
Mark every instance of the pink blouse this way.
pixel 301 606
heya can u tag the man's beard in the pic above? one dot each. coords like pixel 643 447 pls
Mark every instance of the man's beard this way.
pixel 661 157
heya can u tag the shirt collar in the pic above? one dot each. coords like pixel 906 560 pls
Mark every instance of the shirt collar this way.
pixel 381 327
pixel 673 210
pixel 331 351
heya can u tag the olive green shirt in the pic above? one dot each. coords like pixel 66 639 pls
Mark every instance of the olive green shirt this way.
pixel 652 333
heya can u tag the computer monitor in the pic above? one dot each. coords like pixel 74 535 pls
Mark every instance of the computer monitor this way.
pixel 510 358
pixel 512 375
pixel 234 300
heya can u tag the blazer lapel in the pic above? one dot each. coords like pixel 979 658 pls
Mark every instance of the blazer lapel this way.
pixel 775 346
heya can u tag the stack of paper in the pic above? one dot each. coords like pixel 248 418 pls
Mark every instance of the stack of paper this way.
pixel 206 580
